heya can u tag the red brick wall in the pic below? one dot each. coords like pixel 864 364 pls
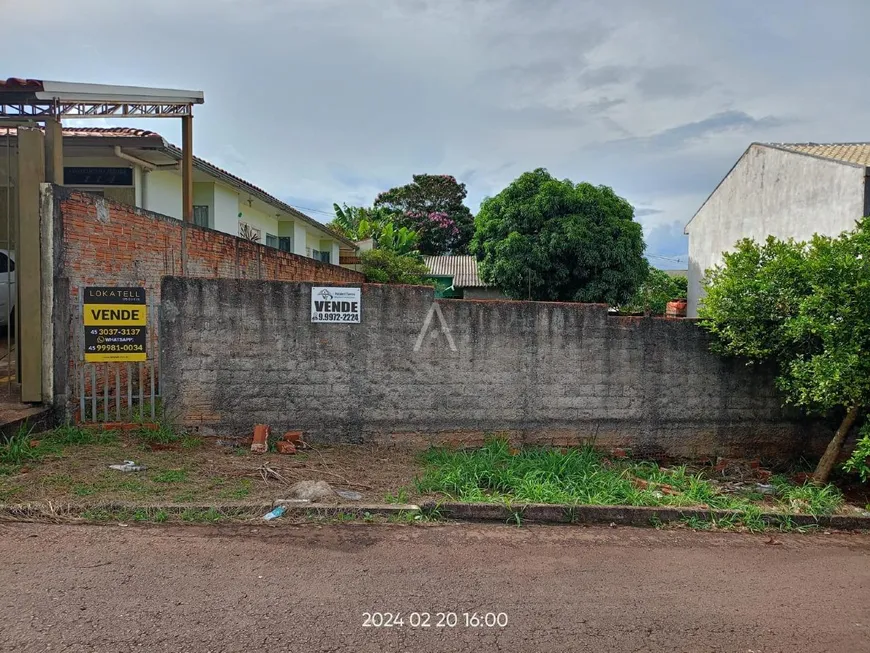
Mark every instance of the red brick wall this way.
pixel 109 243
pixel 99 242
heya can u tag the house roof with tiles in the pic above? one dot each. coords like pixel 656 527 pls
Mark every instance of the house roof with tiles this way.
pixel 852 153
pixel 463 269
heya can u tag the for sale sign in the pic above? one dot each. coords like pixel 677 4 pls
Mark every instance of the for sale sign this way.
pixel 339 305
pixel 116 322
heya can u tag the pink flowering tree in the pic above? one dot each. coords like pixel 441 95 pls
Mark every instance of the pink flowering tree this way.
pixel 432 205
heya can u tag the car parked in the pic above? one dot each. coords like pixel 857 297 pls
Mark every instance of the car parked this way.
pixel 7 287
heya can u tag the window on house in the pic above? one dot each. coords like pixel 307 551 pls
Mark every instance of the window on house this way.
pixel 271 241
pixel 285 243
pixel 320 255
pixel 200 215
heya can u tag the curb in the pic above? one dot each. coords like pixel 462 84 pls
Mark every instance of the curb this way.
pixel 60 510
pixel 639 516
pixel 624 515
pixel 36 510
pixel 297 508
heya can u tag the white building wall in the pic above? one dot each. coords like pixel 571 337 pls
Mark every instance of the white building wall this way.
pixel 163 194
pixel 226 210
pixel 300 238
pixel 265 223
pixel 312 240
pixel 137 184
pixel 285 228
pixel 772 192
pixel 203 195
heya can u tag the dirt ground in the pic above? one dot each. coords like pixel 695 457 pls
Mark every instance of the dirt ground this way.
pixel 286 588
pixel 206 472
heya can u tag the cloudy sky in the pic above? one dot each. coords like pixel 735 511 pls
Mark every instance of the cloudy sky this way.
pixel 323 101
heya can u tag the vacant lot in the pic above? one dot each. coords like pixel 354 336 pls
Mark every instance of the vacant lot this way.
pixel 71 465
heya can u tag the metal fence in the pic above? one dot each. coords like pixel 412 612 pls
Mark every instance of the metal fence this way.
pixel 118 391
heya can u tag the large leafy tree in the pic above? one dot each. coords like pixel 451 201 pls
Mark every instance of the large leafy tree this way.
pixel 805 307
pixel 545 239
pixel 432 206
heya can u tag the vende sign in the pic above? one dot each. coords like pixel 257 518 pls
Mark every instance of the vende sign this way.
pixel 116 324
pixel 335 305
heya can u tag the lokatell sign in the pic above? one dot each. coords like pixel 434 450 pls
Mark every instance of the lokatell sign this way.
pixel 116 323
pixel 335 305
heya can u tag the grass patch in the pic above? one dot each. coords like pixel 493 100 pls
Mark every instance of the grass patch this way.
pixel 201 515
pixel 185 497
pixel 400 496
pixel 809 498
pixel 24 447
pixel 18 449
pixel 241 490
pixel 170 476
pixel 497 473
pixel 70 434
pixel 162 432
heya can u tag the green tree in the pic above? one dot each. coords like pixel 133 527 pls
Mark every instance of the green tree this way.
pixel 432 206
pixel 545 239
pixel 805 307
pixel 386 266
pixel 401 241
pixel 357 222
pixel 655 292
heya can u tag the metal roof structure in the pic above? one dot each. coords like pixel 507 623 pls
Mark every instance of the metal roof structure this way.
pixel 147 143
pixel 35 98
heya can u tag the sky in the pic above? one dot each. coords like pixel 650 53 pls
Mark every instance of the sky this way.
pixel 322 101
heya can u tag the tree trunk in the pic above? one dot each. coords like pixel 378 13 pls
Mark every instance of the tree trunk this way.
pixel 826 464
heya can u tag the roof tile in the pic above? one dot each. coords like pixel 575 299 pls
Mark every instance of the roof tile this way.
pixel 855 153
pixel 463 269
pixel 105 132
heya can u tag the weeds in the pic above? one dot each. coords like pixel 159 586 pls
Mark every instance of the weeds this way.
pixel 497 473
pixel 19 449
pixel 808 498
pixel 24 447
pixel 400 496
pixel 164 433
pixel 170 476
pixel 191 442
pixel 242 490
pixel 70 434
pixel 201 515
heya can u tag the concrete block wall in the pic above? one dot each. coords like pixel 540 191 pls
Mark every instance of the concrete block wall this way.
pixel 236 353
pixel 92 241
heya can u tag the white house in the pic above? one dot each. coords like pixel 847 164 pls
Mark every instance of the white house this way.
pixel 786 190
pixel 141 168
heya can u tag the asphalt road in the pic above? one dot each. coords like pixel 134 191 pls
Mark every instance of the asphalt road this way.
pixel 307 588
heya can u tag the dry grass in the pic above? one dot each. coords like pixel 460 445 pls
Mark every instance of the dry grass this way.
pixel 193 471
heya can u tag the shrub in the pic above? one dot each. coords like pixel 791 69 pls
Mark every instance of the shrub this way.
pixel 384 266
